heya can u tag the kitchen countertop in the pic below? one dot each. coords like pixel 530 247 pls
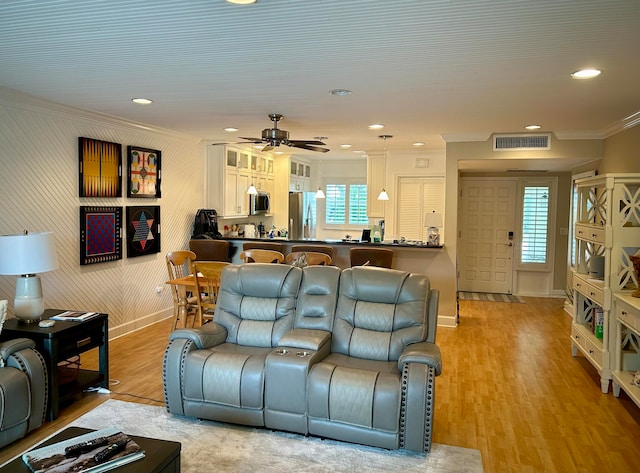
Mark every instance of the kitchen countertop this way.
pixel 341 242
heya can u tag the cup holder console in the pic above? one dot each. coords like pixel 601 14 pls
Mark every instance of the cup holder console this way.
pixel 302 354
pixel 282 352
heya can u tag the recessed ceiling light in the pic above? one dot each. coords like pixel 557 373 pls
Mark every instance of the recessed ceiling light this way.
pixel 340 92
pixel 418 143
pixel 142 101
pixel 231 129
pixel 279 152
pixel 241 2
pixel 586 74
pixel 345 146
pixel 376 126
pixel 357 151
pixel 533 127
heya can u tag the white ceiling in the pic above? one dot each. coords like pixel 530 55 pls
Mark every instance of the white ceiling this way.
pixel 427 69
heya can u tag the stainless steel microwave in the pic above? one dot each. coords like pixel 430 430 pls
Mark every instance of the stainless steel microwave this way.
pixel 259 203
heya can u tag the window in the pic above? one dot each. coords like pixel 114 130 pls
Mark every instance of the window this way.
pixel 535 224
pixel 346 204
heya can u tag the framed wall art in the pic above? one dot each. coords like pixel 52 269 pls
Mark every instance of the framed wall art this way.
pixel 144 172
pixel 100 168
pixel 100 234
pixel 143 230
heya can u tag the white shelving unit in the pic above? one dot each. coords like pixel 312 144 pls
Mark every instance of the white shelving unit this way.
pixel 608 226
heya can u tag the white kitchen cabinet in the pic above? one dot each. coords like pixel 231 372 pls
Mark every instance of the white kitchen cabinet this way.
pixel 607 231
pixel 228 175
pixel 299 175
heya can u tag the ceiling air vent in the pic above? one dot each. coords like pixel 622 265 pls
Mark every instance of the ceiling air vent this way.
pixel 521 142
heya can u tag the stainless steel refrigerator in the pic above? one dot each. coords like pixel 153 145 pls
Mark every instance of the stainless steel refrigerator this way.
pixel 302 215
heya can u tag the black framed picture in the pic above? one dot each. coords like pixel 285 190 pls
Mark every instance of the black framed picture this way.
pixel 144 172
pixel 143 230
pixel 100 168
pixel 100 234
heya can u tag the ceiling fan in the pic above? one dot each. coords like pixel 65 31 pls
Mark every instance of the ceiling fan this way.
pixel 275 137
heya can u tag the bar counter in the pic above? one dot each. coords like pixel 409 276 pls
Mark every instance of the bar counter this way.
pixel 403 252
pixel 433 261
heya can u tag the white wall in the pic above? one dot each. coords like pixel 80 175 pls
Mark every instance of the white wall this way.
pixel 39 191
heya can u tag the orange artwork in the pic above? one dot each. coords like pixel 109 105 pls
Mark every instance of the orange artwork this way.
pixel 100 168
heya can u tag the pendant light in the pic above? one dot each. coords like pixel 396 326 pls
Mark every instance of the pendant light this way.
pixel 251 190
pixel 320 193
pixel 383 193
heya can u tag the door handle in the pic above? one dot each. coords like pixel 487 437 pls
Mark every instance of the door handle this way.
pixel 509 244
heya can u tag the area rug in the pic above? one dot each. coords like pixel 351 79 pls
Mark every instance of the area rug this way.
pixel 224 448
pixel 486 296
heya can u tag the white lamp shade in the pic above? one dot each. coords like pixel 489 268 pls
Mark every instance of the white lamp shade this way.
pixel 320 193
pixel 251 190
pixel 28 253
pixel 433 219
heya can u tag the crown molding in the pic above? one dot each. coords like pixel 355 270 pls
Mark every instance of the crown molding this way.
pixel 14 98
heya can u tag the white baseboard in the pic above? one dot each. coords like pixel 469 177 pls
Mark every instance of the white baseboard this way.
pixel 447 321
pixel 138 324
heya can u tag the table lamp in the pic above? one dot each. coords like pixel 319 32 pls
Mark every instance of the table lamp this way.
pixel 25 255
pixel 433 221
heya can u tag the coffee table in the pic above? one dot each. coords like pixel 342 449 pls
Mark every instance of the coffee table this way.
pixel 161 456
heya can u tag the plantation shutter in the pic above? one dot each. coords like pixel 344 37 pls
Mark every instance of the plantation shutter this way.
pixel 335 202
pixel 358 204
pixel 416 197
pixel 535 224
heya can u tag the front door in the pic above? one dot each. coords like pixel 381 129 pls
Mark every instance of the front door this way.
pixel 485 241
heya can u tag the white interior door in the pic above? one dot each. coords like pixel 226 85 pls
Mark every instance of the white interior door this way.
pixel 485 242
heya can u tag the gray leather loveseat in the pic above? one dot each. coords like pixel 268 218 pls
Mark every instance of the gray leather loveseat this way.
pixel 343 354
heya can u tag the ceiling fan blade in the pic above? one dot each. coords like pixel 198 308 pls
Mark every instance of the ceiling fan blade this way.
pixel 253 140
pixel 309 147
pixel 268 148
pixel 305 142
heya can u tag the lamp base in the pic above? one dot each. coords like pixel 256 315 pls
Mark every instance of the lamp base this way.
pixel 28 305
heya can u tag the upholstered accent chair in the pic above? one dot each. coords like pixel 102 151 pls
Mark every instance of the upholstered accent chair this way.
pixel 23 389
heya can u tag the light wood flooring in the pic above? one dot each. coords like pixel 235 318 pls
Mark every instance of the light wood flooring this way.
pixel 509 388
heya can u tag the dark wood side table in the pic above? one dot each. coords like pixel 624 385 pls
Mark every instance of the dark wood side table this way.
pixel 63 341
pixel 160 456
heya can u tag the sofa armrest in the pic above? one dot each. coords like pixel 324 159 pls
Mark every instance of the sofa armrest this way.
pixel 423 352
pixel 207 336
pixel 10 347
pixel 305 339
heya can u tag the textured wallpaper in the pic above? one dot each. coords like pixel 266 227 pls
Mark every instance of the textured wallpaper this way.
pixel 39 191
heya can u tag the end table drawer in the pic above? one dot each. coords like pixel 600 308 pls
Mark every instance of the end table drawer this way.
pixel 79 341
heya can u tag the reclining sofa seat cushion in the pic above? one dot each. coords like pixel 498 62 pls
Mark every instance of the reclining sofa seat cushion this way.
pixel 256 306
pixel 355 393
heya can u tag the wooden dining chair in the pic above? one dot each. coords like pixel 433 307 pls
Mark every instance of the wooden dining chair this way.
pixel 210 250
pixel 313 258
pixel 207 285
pixel 262 256
pixel 179 264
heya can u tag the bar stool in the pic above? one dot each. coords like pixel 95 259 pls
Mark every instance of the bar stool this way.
pixel 210 250
pixel 261 256
pixel 313 258
pixel 367 256
pixel 315 248
pixel 263 245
